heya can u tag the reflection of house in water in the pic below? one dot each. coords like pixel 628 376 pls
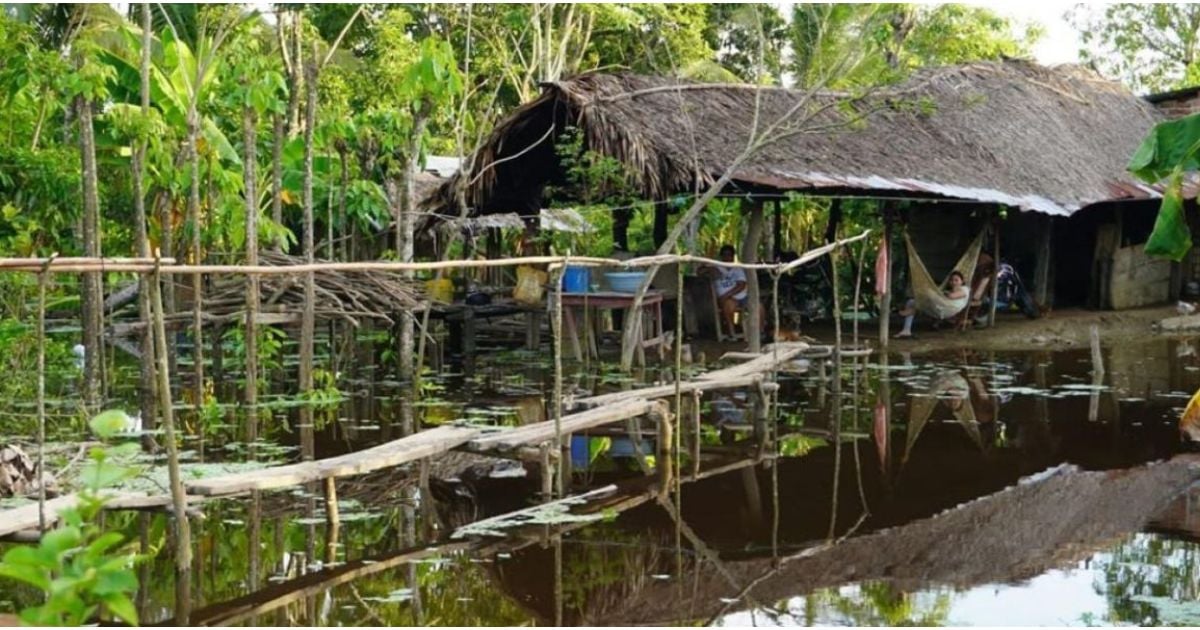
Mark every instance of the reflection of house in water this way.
pixel 925 532
pixel 1140 370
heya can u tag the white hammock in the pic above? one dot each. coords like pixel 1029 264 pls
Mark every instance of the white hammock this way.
pixel 930 296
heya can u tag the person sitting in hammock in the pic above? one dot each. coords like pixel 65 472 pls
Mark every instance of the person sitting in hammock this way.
pixel 956 292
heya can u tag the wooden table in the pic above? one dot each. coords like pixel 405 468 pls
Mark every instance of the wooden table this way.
pixel 587 304
pixel 461 319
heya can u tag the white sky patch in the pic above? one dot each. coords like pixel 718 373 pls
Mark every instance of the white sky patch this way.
pixel 1060 42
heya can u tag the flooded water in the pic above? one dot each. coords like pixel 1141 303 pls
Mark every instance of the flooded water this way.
pixel 959 488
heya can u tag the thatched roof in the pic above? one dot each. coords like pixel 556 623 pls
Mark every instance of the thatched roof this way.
pixel 1016 133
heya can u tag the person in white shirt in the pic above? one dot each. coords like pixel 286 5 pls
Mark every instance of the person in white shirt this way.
pixel 730 285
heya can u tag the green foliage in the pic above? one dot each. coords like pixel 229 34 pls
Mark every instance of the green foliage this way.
pixel 874 44
pixel 1169 151
pixel 736 31
pixel 81 569
pixel 1151 47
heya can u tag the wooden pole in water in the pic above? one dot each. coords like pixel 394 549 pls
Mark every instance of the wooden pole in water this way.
pixel 183 534
pixel 750 254
pixel 250 176
pixel 885 300
pixel 332 520
pixel 146 337
pixel 558 379
pixel 307 322
pixel 1097 356
pixel 862 255
pixel 995 268
pixel 41 401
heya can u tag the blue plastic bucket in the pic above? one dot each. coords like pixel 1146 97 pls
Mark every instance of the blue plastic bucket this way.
pixel 579 452
pixel 577 279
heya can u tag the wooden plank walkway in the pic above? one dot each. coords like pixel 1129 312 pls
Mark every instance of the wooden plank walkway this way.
pixel 746 374
pixel 25 518
pixel 541 432
pixel 596 411
pixel 394 453
pixel 616 498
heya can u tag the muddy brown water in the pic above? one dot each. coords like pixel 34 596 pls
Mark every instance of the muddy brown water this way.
pixel 956 488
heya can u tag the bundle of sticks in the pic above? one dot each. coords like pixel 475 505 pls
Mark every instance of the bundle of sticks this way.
pixel 350 296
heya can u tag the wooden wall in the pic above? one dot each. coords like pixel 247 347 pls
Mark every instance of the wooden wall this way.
pixel 1138 279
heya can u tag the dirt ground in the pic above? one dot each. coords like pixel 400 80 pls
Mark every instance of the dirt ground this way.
pixel 1057 330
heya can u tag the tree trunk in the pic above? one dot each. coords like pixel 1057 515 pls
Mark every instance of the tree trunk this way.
pixel 404 234
pixel 280 136
pixel 750 255
pixel 92 302
pixel 347 252
pixel 250 175
pixel 147 391
pixel 329 255
pixel 307 322
pixel 297 74
pixel 193 212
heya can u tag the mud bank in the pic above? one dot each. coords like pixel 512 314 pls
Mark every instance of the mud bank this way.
pixel 1057 330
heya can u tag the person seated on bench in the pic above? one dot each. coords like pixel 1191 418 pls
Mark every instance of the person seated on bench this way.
pixel 730 286
pixel 956 292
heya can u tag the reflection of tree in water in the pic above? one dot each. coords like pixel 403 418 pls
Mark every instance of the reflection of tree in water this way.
pixel 1148 566
pixel 455 591
pixel 877 604
pixel 602 566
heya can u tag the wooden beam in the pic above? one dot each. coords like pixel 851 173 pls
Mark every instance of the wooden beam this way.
pixel 394 453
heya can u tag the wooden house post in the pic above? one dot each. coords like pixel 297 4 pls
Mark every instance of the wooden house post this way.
pixel 995 267
pixel 1041 276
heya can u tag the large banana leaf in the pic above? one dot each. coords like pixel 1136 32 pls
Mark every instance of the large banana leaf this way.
pixel 1171 149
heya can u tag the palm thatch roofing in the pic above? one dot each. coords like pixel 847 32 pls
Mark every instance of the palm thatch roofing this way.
pixel 1046 139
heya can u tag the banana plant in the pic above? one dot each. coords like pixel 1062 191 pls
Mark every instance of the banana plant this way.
pixel 1168 153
